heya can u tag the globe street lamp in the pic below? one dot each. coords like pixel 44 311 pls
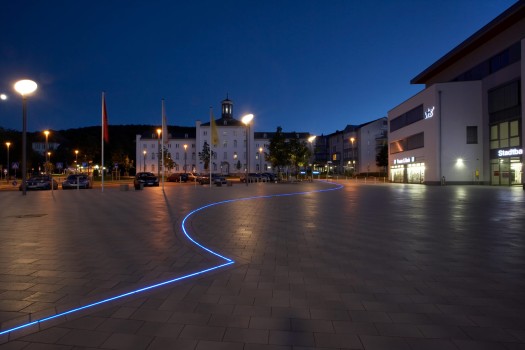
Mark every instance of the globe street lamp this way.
pixel 185 148
pixel 7 175
pixel 352 139
pixel 260 159
pixel 311 140
pixel 246 121
pixel 24 87
pixel 159 131
pixel 46 132
pixel 144 166
pixel 76 160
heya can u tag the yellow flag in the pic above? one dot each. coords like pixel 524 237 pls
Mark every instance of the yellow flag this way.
pixel 214 132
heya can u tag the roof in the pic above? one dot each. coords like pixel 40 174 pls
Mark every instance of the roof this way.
pixel 511 16
pixel 225 122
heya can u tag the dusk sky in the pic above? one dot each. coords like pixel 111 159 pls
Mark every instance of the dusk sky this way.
pixel 308 66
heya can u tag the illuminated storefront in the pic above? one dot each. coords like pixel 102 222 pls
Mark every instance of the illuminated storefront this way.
pixel 506 167
pixel 406 170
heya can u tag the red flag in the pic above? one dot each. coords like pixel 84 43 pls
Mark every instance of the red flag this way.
pixel 105 131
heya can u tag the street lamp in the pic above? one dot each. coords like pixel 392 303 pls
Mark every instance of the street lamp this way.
pixel 159 131
pixel 260 159
pixel 246 121
pixel 8 144
pixel 352 139
pixel 144 166
pixel 76 160
pixel 46 132
pixel 24 87
pixel 185 148
pixel 311 140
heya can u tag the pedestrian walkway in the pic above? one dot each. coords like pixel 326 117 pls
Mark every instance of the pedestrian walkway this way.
pixel 367 266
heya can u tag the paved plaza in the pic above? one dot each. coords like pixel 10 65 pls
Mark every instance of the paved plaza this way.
pixel 316 265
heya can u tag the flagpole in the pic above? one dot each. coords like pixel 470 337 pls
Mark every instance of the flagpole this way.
pixel 211 142
pixel 102 138
pixel 164 128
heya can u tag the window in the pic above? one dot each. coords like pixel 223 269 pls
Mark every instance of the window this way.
pixel 514 134
pixel 234 143
pixel 472 135
pixel 505 134
pixel 412 116
pixel 409 143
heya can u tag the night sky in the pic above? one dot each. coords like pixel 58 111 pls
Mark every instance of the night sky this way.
pixel 312 66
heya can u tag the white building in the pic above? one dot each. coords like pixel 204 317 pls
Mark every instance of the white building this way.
pixel 466 126
pixel 236 141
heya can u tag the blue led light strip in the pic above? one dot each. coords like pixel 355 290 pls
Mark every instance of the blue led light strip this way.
pixel 228 261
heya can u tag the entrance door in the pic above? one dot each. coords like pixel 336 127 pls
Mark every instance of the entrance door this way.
pixel 494 172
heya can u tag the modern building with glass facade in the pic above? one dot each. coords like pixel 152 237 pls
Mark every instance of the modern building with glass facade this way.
pixel 466 126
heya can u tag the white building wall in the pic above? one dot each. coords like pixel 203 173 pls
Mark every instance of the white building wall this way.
pixel 230 150
pixel 367 146
pixel 453 106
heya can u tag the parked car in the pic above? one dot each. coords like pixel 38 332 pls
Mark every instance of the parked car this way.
pixel 216 179
pixel 145 179
pixel 77 181
pixel 271 176
pixel 255 177
pixel 41 182
pixel 193 176
pixel 178 177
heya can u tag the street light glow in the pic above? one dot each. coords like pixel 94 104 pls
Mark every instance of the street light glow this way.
pixel 3 97
pixel 247 119
pixel 25 87
pixel 311 138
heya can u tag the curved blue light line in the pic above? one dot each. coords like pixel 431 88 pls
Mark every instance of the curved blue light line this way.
pixel 193 274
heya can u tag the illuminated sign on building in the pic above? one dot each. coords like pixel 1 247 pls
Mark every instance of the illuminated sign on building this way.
pixel 405 160
pixel 510 152
pixel 429 113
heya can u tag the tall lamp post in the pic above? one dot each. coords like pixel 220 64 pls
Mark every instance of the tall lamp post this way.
pixel 311 140
pixel 352 139
pixel 260 159
pixel 246 121
pixel 46 132
pixel 24 87
pixel 159 131
pixel 144 165
pixel 7 175
pixel 185 148
pixel 76 162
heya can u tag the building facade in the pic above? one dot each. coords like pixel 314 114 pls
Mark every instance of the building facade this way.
pixel 239 149
pixel 466 126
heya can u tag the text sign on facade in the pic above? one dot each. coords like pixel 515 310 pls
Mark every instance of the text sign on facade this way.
pixel 405 160
pixel 510 152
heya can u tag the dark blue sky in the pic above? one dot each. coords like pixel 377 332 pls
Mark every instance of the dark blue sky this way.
pixel 311 66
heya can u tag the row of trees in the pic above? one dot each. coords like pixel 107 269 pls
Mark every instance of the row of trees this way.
pixel 283 153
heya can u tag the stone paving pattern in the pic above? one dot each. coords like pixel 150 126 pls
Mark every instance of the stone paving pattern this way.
pixel 369 266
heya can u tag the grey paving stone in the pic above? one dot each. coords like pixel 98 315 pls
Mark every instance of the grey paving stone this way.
pixel 202 332
pixel 127 341
pixel 301 280
pixel 242 335
pixel 160 343
pixel 292 338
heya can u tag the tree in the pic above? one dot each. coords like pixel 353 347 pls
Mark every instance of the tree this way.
pixel 382 157
pixel 168 162
pixel 278 154
pixel 204 156
pixel 298 151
